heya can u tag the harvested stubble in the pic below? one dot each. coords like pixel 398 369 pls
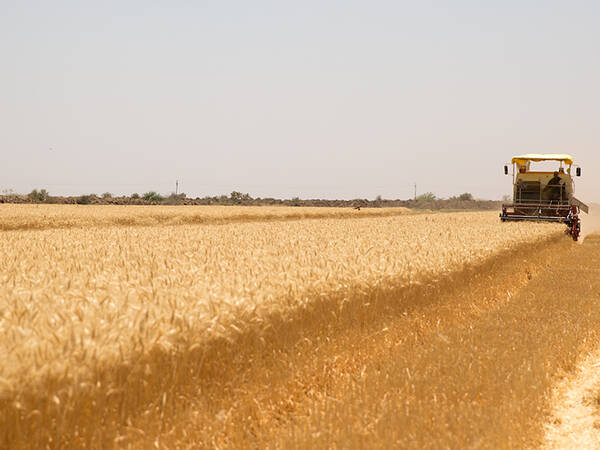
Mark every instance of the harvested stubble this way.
pixel 82 312
pixel 43 217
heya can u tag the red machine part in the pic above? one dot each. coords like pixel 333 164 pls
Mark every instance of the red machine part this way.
pixel 575 223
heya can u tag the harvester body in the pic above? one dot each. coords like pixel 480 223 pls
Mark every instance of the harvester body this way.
pixel 544 195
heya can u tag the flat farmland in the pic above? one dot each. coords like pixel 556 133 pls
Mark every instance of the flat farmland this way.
pixel 37 217
pixel 258 329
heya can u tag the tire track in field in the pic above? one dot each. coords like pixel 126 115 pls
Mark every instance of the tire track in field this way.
pixel 574 423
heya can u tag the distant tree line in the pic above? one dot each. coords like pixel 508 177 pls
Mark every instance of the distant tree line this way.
pixel 427 200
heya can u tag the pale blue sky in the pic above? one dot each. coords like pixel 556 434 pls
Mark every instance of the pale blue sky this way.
pixel 333 99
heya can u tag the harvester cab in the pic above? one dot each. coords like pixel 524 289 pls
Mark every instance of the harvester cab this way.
pixel 543 190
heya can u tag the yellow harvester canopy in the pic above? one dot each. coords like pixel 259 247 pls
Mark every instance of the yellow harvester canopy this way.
pixel 568 159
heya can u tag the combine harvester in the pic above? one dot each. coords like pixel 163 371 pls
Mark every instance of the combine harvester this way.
pixel 544 195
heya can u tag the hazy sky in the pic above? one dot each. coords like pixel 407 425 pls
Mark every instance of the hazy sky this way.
pixel 333 99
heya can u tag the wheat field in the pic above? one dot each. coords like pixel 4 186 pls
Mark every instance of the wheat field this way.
pixel 38 217
pixel 97 311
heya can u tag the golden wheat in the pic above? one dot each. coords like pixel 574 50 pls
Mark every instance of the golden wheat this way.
pixel 76 301
pixel 39 217
pixel 70 295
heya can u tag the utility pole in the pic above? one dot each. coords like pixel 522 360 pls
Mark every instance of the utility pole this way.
pixel 415 191
pixel 176 187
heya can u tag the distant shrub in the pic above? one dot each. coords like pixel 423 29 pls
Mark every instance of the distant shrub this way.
pixel 427 197
pixel 467 196
pixel 107 195
pixel 38 196
pixel 85 199
pixel 175 199
pixel 238 198
pixel 152 196
pixel 135 195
